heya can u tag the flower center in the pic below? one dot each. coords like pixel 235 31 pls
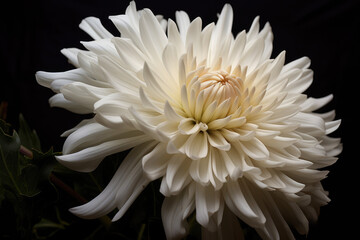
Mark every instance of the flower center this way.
pixel 213 89
pixel 219 86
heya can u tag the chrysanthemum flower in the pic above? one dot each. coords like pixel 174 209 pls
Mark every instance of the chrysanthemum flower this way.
pixel 226 128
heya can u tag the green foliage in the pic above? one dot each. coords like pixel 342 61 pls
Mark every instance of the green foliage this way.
pixel 20 178
pixel 29 138
pixel 34 206
pixel 17 174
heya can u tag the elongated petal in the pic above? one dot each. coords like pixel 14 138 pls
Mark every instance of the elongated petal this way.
pixel 229 229
pixel 196 146
pixel 183 22
pixel 108 199
pixel 94 28
pixel 209 207
pixel 151 33
pixel 240 200
pixel 154 163
pixel 59 100
pixel 88 159
pixel 177 174
pixel 174 212
pixel 88 135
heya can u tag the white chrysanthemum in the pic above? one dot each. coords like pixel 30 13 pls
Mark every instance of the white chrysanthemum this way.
pixel 227 129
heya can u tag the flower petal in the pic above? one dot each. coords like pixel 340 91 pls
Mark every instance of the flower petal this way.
pixel 174 212
pixel 107 200
pixel 209 207
pixel 240 201
pixel 177 174
pixel 152 35
pixel 222 29
pixel 88 159
pixel 84 94
pixel 59 100
pixel 218 141
pixel 188 126
pixel 255 149
pixel 183 23
pixel 89 135
pixel 155 162
pixel 94 28
pixel 229 229
pixel 196 147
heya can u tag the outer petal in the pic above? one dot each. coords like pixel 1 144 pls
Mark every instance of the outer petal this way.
pixel 229 229
pixel 175 210
pixel 59 100
pixel 92 134
pixel 89 158
pixel 222 29
pixel 94 28
pixel 209 207
pixel 152 34
pixel 241 202
pixel 120 188
pixel 155 162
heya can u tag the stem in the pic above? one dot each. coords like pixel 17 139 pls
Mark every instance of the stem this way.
pixel 106 221
pixel 26 152
pixel 67 189
pixel 141 232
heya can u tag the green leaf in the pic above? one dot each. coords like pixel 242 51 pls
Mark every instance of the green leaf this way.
pixel 46 223
pixel 46 163
pixel 16 173
pixel 5 126
pixel 47 228
pixel 28 137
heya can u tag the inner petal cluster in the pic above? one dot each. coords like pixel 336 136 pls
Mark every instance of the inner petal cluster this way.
pixel 219 86
pixel 213 94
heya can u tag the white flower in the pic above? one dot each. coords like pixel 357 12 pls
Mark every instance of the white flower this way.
pixel 227 129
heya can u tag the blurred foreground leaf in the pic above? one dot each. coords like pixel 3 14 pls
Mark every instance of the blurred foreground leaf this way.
pixel 23 174
pixel 17 174
pixel 28 137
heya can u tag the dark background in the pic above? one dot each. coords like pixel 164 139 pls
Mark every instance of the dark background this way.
pixel 32 34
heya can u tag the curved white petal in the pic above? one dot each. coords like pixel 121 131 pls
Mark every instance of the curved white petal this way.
pixel 177 175
pixel 155 162
pixel 92 134
pixel 152 35
pixel 84 94
pixel 209 207
pixel 174 212
pixel 240 201
pixel 183 23
pixel 59 100
pixel 81 124
pixel 222 28
pixel 89 158
pixel 312 104
pixel 94 28
pixel 229 229
pixel 119 188
pixel 196 146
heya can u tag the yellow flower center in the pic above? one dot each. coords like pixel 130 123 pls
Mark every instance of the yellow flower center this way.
pixel 219 86
pixel 214 93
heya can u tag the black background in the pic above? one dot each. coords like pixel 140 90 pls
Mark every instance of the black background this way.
pixel 33 33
